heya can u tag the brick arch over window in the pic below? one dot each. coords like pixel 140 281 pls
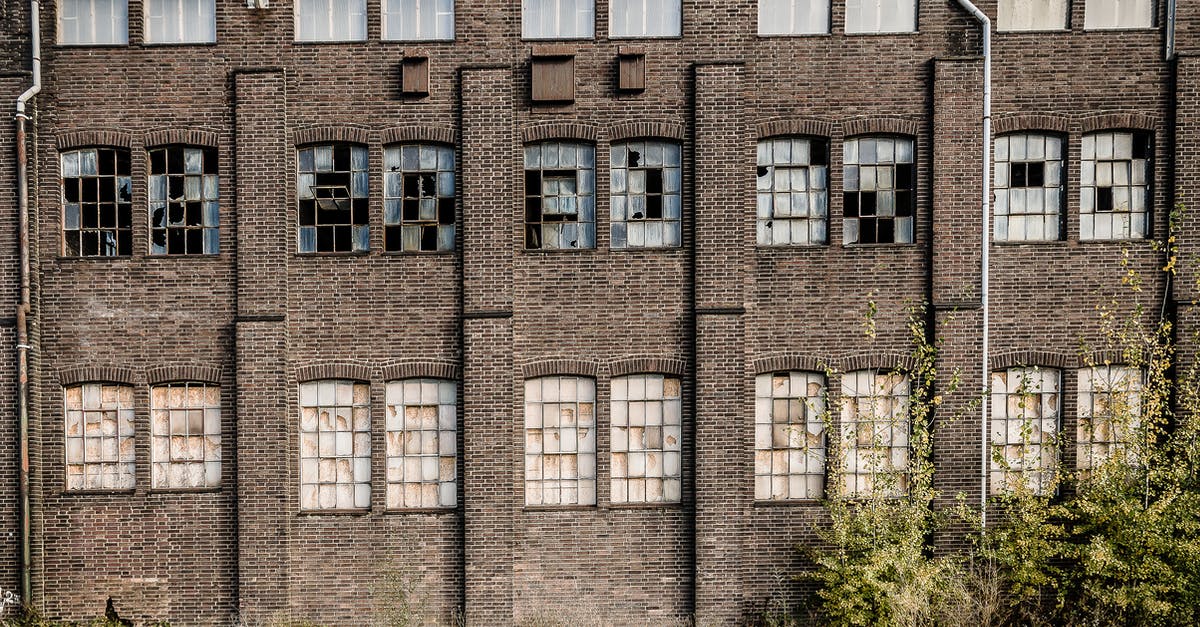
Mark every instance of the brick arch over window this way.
pixel 1108 121
pixel 183 372
pixel 876 361
pixel 190 137
pixel 1110 357
pixel 422 370
pixel 647 365
pixel 337 370
pixel 432 134
pixel 802 126
pixel 331 134
pixel 95 137
pixel 621 131
pixel 1014 123
pixel 1017 358
pixel 881 126
pixel 555 367
pixel 74 375
pixel 559 131
pixel 796 361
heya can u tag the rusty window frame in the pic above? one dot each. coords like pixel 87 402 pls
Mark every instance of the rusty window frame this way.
pixel 185 435
pixel 99 436
pixel 560 441
pixel 875 433
pixel 335 445
pixel 647 439
pixel 1115 175
pixel 793 191
pixel 560 196
pixel 418 198
pixel 422 428
pixel 790 435
pixel 97 200
pixel 184 200
pixel 879 191
pixel 646 194
pixel 332 197
pixel 1026 413
pixel 1029 179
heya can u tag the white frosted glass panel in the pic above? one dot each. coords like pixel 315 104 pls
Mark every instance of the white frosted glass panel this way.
pixel 644 18
pixel 418 20
pixel 793 17
pixel 1032 15
pixel 331 20
pixel 1099 14
pixel 93 22
pixel 181 21
pixel 881 16
pixel 557 19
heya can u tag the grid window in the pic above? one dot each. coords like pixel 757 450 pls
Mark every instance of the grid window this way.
pixel 331 20
pixel 560 441
pixel 97 202
pixel 185 431
pixel 646 199
pixel 1101 14
pixel 422 419
pixel 1114 185
pixel 331 186
pixel 560 196
pixel 93 22
pixel 558 19
pixel 1029 187
pixel 644 18
pixel 793 17
pixel 875 433
pixel 99 437
pixel 881 16
pixel 1025 411
pixel 181 21
pixel 335 445
pixel 1110 406
pixel 418 20
pixel 793 192
pixel 1017 15
pixel 879 198
pixel 183 201
pixel 789 436
pixel 418 198
pixel 646 439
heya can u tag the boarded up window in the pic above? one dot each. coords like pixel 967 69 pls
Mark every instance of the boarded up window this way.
pixel 1114 185
pixel 1014 15
pixel 560 441
pixel 793 17
pixel 1099 14
pixel 185 431
pixel 97 202
pixel 645 194
pixel 553 78
pixel 184 210
pixel 1029 187
pixel 1025 413
pixel 99 437
pixel 793 191
pixel 644 18
pixel 789 436
pixel 646 439
pixel 422 419
pixel 1110 408
pixel 332 192
pixel 335 445
pixel 560 196
pixel 331 20
pixel 879 183
pixel 874 432
pixel 881 16
pixel 418 198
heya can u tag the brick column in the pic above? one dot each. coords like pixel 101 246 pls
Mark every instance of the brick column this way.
pixel 264 478
pixel 489 485
pixel 1187 172
pixel 722 468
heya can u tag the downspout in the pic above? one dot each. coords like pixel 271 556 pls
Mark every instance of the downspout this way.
pixel 985 238
pixel 1169 54
pixel 23 308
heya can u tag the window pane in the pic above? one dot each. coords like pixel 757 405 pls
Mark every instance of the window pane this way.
pixel 331 20
pixel 645 195
pixel 557 19
pixel 793 195
pixel 1025 414
pixel 185 430
pixel 422 420
pixel 881 16
pixel 789 436
pixel 97 202
pixel 1114 185
pixel 419 201
pixel 99 436
pixel 793 17
pixel 879 193
pixel 644 18
pixel 1028 180
pixel 418 20
pixel 181 21
pixel 875 433
pixel 1109 414
pixel 560 196
pixel 1100 14
pixel 560 441
pixel 646 439
pixel 332 194
pixel 184 190
pixel 1015 15
pixel 335 445
pixel 93 22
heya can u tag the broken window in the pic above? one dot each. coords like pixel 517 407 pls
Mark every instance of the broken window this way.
pixel 793 17
pixel 646 439
pixel 560 441
pixel 331 20
pixel 93 22
pixel 875 433
pixel 1114 185
pixel 418 20
pixel 1015 15
pixel 1101 14
pixel 1025 411
pixel 560 196
pixel 185 435
pixel 183 201
pixel 1029 187
pixel 644 18
pixel 881 16
pixel 99 436
pixel 1110 407
pixel 645 196
pixel 793 193
pixel 879 185
pixel 97 202
pixel 332 187
pixel 422 419
pixel 418 198
pixel 789 436
pixel 181 21
pixel 335 445
pixel 557 19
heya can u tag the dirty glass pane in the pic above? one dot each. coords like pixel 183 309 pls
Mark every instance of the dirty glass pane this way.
pixel 789 436
pixel 560 196
pixel 418 20
pixel 1029 190
pixel 185 435
pixel 1114 185
pixel 331 20
pixel 183 201
pixel 792 202
pixel 874 433
pixel 879 190
pixel 644 18
pixel 418 183
pixel 335 445
pixel 646 439
pixel 644 195
pixel 881 16
pixel 793 17
pixel 97 203
pixel 560 441
pixel 99 436
pixel 557 19
pixel 93 22
pixel 1101 14
pixel 422 419
pixel 181 21
pixel 1109 401
pixel 1025 425
pixel 1015 15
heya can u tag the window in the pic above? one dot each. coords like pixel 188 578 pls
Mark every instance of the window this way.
pixel 335 445
pixel 422 419
pixel 560 196
pixel 875 433
pixel 789 436
pixel 332 190
pixel 881 16
pixel 1101 14
pixel 793 195
pixel 1032 15
pixel 646 439
pixel 418 20
pixel 331 20
pixel 1025 410
pixel 181 21
pixel 99 437
pixel 1114 185
pixel 557 19
pixel 793 17
pixel 560 441
pixel 183 201
pixel 879 191
pixel 1109 410
pixel 418 198
pixel 1029 187
pixel 97 203
pixel 93 22
pixel 644 18
pixel 185 435
pixel 645 196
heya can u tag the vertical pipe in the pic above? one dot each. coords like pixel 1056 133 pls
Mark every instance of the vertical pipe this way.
pixel 1169 53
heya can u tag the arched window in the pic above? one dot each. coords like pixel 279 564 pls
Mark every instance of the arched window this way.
pixel 1029 175
pixel 879 190
pixel 560 441
pixel 422 420
pixel 789 436
pixel 1025 424
pixel 332 192
pixel 99 436
pixel 875 431
pixel 418 198
pixel 185 435
pixel 646 439
pixel 793 191
pixel 335 445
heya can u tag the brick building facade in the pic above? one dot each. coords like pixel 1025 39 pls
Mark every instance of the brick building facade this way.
pixel 271 303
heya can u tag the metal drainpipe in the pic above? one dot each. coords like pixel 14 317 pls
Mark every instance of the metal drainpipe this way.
pixel 985 238
pixel 1170 43
pixel 23 308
